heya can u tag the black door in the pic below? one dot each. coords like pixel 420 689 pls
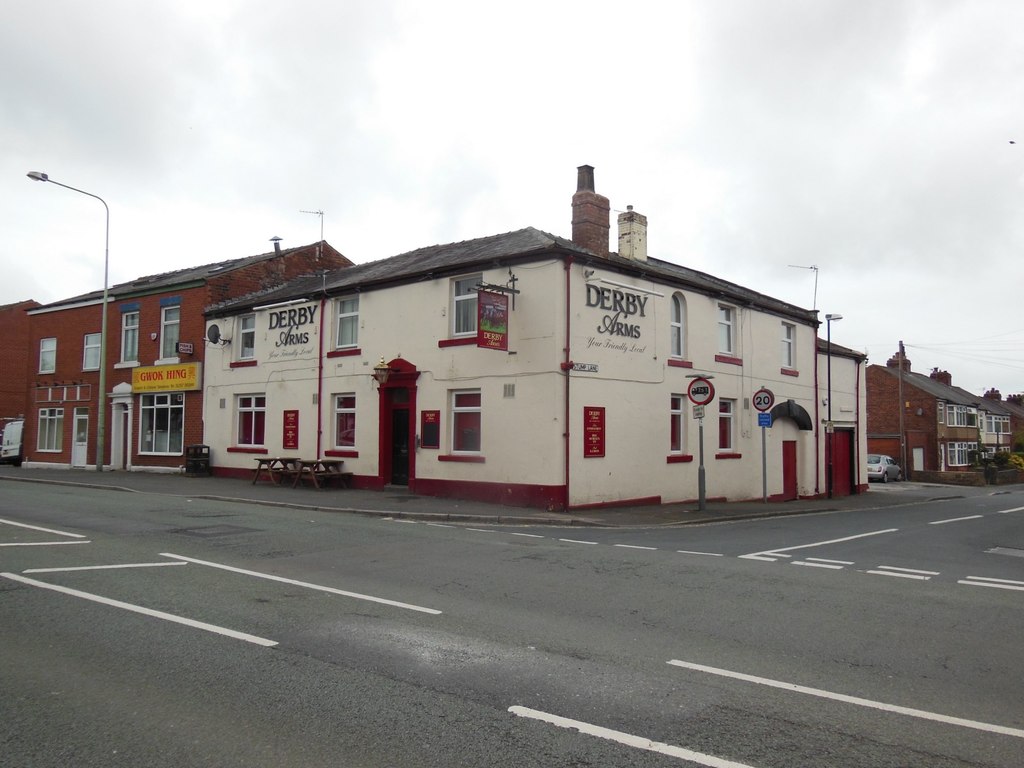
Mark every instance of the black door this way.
pixel 400 446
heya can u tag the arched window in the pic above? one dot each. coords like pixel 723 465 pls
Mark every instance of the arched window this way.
pixel 677 326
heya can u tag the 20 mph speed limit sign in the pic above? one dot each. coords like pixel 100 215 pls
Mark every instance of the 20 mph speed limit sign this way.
pixel 763 400
pixel 701 391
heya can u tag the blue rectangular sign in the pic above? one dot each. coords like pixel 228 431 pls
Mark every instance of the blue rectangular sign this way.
pixel 764 419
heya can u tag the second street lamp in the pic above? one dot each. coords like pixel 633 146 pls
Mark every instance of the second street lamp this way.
pixel 101 408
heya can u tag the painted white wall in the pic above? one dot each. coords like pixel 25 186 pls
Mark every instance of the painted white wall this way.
pixel 522 435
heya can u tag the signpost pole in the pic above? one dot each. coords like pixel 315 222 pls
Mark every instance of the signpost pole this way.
pixel 763 400
pixel 701 488
pixel 764 468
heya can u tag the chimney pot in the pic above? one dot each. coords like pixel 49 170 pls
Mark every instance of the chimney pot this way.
pixel 277 243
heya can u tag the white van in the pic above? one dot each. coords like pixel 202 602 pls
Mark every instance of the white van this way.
pixel 10 452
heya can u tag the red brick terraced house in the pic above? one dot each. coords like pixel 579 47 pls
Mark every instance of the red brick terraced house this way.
pixel 155 352
pixel 14 357
pixel 942 426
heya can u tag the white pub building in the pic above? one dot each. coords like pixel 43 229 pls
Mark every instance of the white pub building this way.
pixel 532 370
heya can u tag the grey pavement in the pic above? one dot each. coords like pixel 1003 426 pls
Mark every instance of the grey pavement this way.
pixel 397 502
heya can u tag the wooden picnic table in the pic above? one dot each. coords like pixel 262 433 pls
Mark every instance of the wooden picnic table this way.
pixel 274 467
pixel 320 471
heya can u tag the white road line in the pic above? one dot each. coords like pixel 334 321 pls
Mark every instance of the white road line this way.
pixel 99 567
pixel 482 530
pixel 42 543
pixel 895 708
pixel 44 530
pixel 144 611
pixel 634 546
pixel 529 535
pixel 706 554
pixel 955 519
pixel 440 525
pixel 577 541
pixel 907 570
pixel 835 562
pixel 979 581
pixel 1008 511
pixel 830 566
pixel 778 552
pixel 627 739
pixel 407 522
pixel 305 584
pixel 899 575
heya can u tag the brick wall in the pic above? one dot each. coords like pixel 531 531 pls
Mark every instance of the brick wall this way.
pixel 920 417
pixel 14 359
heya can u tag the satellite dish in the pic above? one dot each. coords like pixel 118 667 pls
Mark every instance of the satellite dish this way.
pixel 213 333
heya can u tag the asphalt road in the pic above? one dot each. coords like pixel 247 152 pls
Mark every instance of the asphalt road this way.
pixel 204 633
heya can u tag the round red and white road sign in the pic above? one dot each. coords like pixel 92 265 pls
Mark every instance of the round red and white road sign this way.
pixel 763 399
pixel 701 391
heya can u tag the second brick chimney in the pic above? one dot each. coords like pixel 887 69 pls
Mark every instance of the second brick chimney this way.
pixel 591 222
pixel 633 235
pixel 943 377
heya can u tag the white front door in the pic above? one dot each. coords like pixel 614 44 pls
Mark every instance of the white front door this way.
pixel 80 448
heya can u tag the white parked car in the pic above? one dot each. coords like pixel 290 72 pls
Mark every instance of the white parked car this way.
pixel 883 468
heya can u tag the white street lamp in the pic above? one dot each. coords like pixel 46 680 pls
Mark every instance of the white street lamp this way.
pixel 101 411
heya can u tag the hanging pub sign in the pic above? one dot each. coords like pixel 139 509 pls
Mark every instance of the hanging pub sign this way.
pixel 492 320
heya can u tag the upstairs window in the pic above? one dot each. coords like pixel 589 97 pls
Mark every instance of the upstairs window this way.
pixel 130 337
pixel 348 322
pixel 247 337
pixel 47 355
pixel 91 352
pixel 170 322
pixel 677 326
pixel 726 321
pixel 464 304
pixel 788 345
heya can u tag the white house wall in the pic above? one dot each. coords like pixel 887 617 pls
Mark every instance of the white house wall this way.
pixel 523 439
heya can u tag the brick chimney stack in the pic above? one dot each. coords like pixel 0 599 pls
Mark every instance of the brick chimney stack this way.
pixel 943 377
pixel 591 214
pixel 894 362
pixel 1015 399
pixel 993 394
pixel 633 235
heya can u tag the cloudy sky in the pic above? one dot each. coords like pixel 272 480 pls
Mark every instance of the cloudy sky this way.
pixel 870 139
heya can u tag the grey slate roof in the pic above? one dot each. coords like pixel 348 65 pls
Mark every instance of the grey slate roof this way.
pixel 153 283
pixel 520 245
pixel 940 391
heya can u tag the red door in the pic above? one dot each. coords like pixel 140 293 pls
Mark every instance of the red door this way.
pixel 842 463
pixel 789 491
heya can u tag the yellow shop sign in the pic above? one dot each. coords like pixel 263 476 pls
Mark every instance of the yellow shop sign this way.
pixel 167 378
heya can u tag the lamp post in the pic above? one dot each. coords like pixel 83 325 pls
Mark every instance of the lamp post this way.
pixel 101 410
pixel 830 429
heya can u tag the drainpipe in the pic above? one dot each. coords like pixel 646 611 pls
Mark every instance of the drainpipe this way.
pixel 320 380
pixel 566 367
pixel 817 420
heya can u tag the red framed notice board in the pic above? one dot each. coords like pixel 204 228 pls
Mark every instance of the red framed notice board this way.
pixel 593 431
pixel 291 431
pixel 430 429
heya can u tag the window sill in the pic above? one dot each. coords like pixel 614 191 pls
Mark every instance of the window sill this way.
pixel 676 362
pixel 729 359
pixel 342 453
pixel 461 458
pixel 167 361
pixel 459 342
pixel 246 449
pixel 157 453
pixel 728 455
pixel 242 364
pixel 679 458
pixel 127 364
pixel 351 352
pixel 789 371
